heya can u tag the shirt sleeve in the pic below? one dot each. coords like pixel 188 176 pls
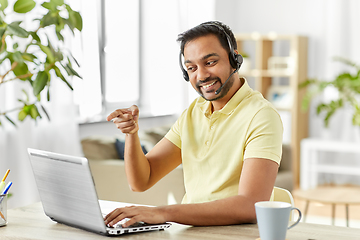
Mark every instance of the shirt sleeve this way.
pixel 264 139
pixel 174 134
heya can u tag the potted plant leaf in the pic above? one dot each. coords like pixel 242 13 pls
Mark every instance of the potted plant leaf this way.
pixel 348 86
pixel 28 55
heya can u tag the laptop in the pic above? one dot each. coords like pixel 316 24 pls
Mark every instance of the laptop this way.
pixel 68 194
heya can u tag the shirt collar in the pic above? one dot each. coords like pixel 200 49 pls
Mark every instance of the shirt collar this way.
pixel 205 106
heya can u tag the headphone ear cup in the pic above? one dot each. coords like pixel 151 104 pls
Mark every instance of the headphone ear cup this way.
pixel 235 60
pixel 185 75
pixel 239 60
pixel 232 60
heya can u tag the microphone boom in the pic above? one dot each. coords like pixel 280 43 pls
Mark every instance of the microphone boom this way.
pixel 220 88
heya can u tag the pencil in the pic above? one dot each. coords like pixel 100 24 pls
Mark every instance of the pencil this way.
pixel 6 174
pixel 2 216
pixel 2 183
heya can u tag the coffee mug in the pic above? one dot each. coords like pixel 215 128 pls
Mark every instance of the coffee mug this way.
pixel 273 219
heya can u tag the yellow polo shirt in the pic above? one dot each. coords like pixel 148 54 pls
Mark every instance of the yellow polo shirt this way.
pixel 214 145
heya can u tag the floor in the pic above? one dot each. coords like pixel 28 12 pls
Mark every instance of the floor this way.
pixel 321 214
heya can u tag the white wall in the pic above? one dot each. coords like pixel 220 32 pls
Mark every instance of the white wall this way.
pixel 328 24
pixel 332 28
pixel 160 72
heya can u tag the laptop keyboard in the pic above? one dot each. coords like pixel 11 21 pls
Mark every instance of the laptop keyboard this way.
pixel 138 224
pixel 118 225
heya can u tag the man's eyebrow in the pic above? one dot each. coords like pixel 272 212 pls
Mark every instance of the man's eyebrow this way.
pixel 204 57
pixel 209 55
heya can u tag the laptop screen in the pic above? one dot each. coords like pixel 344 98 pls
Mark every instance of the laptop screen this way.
pixel 66 189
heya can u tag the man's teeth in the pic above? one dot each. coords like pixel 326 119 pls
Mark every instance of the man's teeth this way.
pixel 209 85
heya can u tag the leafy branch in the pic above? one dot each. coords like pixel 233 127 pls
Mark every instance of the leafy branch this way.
pixel 31 56
pixel 348 86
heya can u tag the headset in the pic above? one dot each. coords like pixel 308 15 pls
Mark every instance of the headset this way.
pixel 235 59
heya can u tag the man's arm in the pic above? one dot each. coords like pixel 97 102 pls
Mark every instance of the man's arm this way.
pixel 143 171
pixel 256 184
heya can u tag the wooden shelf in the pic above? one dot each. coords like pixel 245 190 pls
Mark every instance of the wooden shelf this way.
pixel 264 78
pixel 265 73
pixel 326 168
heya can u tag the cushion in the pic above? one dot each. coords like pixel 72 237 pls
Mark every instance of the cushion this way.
pixel 99 147
pixel 154 135
pixel 120 148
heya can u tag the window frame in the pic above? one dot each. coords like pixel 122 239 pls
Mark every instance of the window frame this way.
pixel 107 106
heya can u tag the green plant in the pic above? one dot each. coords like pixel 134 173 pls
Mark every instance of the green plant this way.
pixel 348 86
pixel 244 54
pixel 28 54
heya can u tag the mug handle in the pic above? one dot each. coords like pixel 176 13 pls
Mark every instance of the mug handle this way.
pixel 298 220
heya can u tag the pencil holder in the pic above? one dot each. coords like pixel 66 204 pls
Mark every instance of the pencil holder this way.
pixel 3 210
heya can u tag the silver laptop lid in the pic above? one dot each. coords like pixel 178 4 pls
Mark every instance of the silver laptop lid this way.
pixel 67 190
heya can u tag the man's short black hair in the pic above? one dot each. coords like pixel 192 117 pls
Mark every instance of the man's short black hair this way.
pixel 213 27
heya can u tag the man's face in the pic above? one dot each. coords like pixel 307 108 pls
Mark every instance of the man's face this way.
pixel 208 66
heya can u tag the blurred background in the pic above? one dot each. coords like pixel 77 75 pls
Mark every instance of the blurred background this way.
pixel 128 55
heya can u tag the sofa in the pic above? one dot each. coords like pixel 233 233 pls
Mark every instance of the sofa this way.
pixel 108 171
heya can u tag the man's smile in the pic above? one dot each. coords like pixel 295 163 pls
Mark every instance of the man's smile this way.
pixel 208 84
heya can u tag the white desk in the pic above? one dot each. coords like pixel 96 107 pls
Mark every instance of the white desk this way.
pixel 310 167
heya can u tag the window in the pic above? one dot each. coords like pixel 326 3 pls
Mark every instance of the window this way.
pixel 130 56
pixel 119 52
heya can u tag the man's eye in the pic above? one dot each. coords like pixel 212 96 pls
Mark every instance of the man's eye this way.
pixel 190 69
pixel 209 63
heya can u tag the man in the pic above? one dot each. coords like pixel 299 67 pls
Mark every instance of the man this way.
pixel 228 141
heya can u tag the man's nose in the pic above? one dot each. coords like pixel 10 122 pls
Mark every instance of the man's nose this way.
pixel 202 73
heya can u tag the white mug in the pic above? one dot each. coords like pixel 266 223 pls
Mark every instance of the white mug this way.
pixel 273 219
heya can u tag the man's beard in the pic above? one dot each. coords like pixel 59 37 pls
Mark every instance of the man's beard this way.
pixel 223 91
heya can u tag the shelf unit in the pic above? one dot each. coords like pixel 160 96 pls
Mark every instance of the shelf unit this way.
pixel 263 77
pixel 311 166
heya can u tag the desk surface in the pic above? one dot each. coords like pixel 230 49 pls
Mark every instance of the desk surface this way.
pixel 31 223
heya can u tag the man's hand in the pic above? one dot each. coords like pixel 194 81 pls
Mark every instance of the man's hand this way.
pixel 126 119
pixel 150 215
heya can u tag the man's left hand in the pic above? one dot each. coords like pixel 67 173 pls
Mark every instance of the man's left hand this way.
pixel 150 215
